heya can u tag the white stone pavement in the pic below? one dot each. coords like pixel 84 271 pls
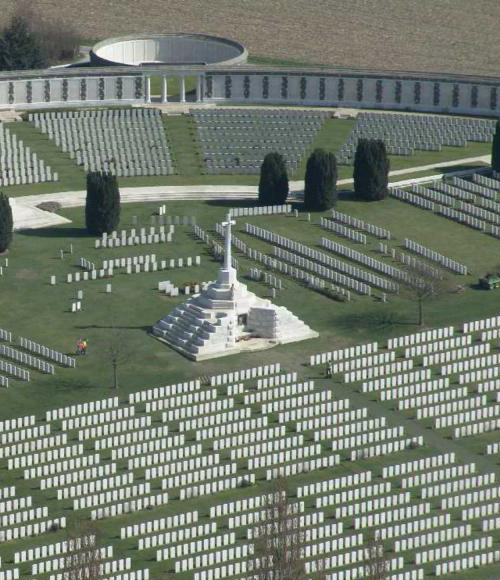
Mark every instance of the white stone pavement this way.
pixel 28 216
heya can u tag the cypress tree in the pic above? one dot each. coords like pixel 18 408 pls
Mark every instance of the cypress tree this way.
pixel 6 223
pixel 102 208
pixel 495 149
pixel 320 190
pixel 371 170
pixel 20 48
pixel 273 183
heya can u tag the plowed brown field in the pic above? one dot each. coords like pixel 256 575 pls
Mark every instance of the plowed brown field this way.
pixel 425 35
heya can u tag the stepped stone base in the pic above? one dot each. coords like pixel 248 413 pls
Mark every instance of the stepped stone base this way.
pixel 227 319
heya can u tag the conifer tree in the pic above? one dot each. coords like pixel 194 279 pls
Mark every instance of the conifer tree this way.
pixel 102 208
pixel 495 149
pixel 371 170
pixel 6 223
pixel 320 190
pixel 273 183
pixel 20 48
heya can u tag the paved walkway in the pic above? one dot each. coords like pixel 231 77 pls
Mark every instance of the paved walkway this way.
pixel 28 216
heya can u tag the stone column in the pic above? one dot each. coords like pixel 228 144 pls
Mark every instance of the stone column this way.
pixel 147 89
pixel 199 93
pixel 183 90
pixel 164 89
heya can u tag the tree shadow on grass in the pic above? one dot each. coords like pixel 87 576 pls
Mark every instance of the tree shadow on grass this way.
pixel 57 232
pixel 459 167
pixel 72 384
pixel 113 327
pixel 375 320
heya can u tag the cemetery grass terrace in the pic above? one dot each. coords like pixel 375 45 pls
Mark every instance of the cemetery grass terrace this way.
pixel 136 304
pixel 31 307
pixel 188 158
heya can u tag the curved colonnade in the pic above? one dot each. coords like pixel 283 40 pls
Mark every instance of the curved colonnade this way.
pixel 245 84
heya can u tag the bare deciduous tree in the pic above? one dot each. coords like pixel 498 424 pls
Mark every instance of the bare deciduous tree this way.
pixel 376 565
pixel 424 283
pixel 118 352
pixel 85 553
pixel 280 540
pixel 58 39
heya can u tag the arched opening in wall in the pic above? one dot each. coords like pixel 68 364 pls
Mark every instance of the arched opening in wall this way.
pixel 174 89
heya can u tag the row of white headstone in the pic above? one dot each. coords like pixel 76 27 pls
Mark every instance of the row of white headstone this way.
pixel 435 537
pixel 349 428
pixel 440 345
pixel 461 217
pixel 298 248
pixel 363 362
pixel 470 365
pixel 109 416
pixel 102 484
pixel 26 359
pixel 435 257
pixel 131 437
pixel 356 256
pixel 482 324
pixel 48 550
pixel 181 400
pixel 462 564
pixel 414 389
pixel 429 399
pixel 341 230
pixel 69 477
pixel 270 279
pixel 29 530
pixel 393 368
pixel 478 187
pixel 105 429
pixel 222 430
pixel 396 380
pixel 166 523
pixel 17 372
pixel 48 463
pixel 24 433
pixel 204 474
pixel 253 398
pixel 212 557
pixel 325 272
pixel 260 210
pixel 216 486
pixel 360 224
pixel 143 502
pixel 47 352
pixel 411 198
pixel 479 212
pixel 386 517
pixel 421 337
pixel 176 536
pixel 163 392
pixel 456 354
pixel 477 428
pixel 33 445
pixel 183 466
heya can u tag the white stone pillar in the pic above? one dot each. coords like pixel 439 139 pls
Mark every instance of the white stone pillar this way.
pixel 147 89
pixel 183 89
pixel 199 94
pixel 164 89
